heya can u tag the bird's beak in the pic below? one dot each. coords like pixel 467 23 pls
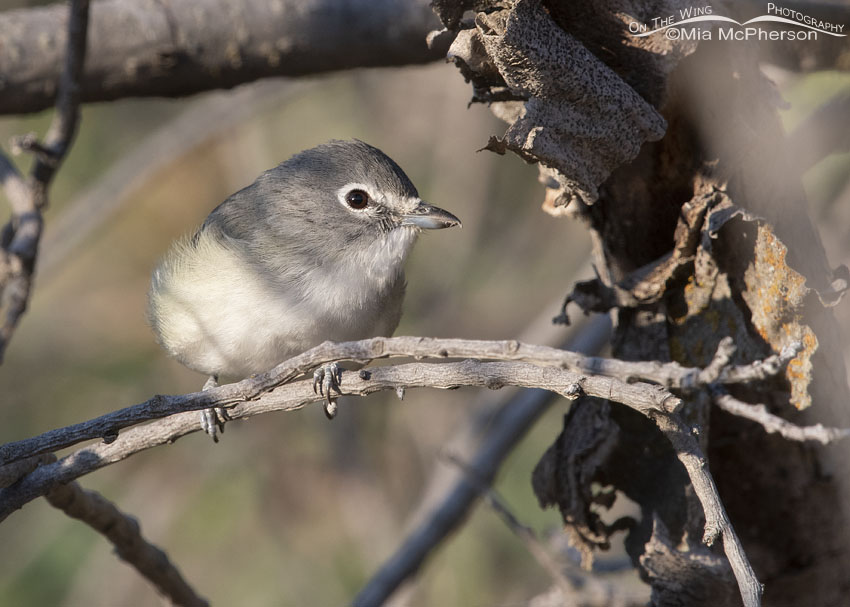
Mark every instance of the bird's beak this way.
pixel 429 217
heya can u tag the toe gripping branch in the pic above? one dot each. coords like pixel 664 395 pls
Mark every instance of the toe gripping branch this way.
pixel 325 380
pixel 213 420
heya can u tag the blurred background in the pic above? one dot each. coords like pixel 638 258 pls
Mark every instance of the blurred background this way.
pixel 290 509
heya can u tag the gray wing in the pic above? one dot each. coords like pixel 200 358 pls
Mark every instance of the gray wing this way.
pixel 257 223
pixel 240 216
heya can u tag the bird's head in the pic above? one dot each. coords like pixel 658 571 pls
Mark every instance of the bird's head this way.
pixel 357 192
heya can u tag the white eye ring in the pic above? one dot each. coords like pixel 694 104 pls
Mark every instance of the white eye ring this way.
pixel 354 196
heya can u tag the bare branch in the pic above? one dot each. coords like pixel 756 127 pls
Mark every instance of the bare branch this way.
pixel 651 400
pixel 722 357
pixel 124 533
pixel 646 398
pixel 524 533
pixel 12 473
pixel 457 497
pixel 773 423
pixel 507 429
pixel 167 48
pixel 717 523
pixel 19 246
pixel 258 395
pixel 27 199
pixel 761 369
pixel 66 119
pixel 14 186
pixel 577 587
pixel 669 374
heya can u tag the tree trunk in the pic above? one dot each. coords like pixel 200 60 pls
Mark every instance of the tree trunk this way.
pixel 672 153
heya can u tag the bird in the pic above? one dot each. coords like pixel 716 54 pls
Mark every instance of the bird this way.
pixel 313 250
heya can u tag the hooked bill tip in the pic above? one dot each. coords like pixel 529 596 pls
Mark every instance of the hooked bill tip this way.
pixel 429 217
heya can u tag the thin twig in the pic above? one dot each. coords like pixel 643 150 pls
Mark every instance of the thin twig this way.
pixel 773 423
pixel 543 557
pixel 670 375
pixel 28 198
pixel 717 523
pixel 124 533
pixel 507 429
pixel 760 369
pixel 722 358
pixel 577 587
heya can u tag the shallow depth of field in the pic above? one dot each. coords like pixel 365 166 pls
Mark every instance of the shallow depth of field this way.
pixel 291 505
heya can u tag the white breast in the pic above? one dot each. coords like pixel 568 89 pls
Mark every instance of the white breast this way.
pixel 218 315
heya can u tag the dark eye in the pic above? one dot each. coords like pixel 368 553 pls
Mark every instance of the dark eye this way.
pixel 357 199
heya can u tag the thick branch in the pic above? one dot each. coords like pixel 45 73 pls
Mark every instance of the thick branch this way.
pixel 106 426
pixel 12 473
pixel 171 48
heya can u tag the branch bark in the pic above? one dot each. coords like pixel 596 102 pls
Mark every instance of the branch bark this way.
pixel 670 375
pixel 265 393
pixel 773 423
pixel 455 499
pixel 717 523
pixel 28 198
pixel 715 211
pixel 182 420
pixel 124 533
pixel 168 48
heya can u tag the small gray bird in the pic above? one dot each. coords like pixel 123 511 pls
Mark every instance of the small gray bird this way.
pixel 313 250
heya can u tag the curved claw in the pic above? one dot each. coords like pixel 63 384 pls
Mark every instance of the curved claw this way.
pixel 326 379
pixel 213 419
pixel 318 376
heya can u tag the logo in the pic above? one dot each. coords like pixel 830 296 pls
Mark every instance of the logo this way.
pixel 692 23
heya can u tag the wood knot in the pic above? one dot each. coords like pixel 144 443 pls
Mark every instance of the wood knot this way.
pixel 573 391
pixel 493 384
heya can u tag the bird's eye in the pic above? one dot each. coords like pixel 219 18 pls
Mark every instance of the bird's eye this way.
pixel 357 199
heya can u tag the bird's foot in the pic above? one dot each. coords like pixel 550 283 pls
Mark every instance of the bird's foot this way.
pixel 326 379
pixel 213 419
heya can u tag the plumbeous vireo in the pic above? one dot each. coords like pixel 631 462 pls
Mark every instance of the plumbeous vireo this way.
pixel 313 250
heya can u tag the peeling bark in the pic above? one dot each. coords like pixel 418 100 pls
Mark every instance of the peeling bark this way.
pixel 699 235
